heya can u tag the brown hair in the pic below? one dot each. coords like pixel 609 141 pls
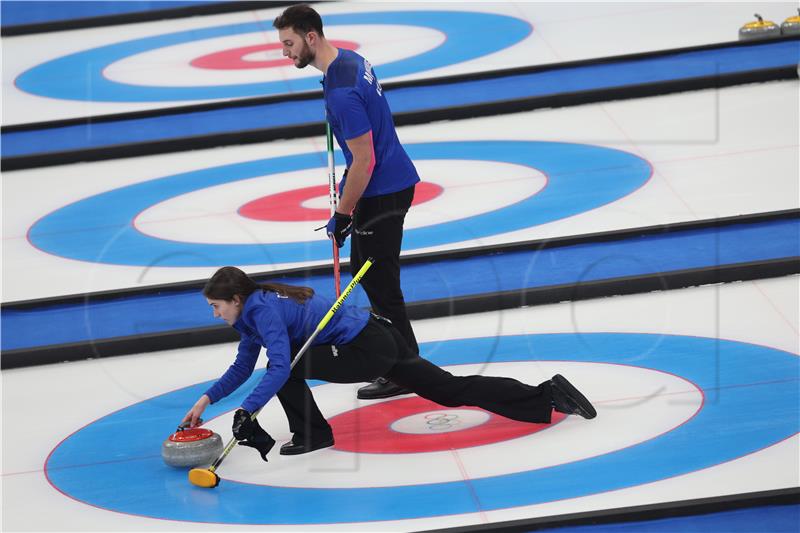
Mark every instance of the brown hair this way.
pixel 230 281
pixel 301 18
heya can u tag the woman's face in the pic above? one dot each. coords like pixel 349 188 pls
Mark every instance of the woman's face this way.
pixel 228 311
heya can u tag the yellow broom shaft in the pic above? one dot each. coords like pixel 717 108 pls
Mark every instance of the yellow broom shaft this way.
pixel 345 294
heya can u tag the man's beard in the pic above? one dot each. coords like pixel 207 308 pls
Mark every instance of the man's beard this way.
pixel 305 56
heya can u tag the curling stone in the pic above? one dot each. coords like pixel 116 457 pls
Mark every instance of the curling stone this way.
pixel 759 29
pixel 791 26
pixel 191 447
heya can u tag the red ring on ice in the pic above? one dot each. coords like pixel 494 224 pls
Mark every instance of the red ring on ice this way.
pixel 368 429
pixel 288 206
pixel 236 58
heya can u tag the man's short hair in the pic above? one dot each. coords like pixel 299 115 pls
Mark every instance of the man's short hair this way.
pixel 301 18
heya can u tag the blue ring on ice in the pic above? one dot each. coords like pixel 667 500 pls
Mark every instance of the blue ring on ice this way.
pixel 114 462
pixel 79 76
pixel 101 228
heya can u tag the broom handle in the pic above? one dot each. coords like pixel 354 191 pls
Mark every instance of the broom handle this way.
pixel 334 201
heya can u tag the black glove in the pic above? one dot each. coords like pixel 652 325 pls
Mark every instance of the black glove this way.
pixel 260 440
pixel 250 433
pixel 242 424
pixel 339 227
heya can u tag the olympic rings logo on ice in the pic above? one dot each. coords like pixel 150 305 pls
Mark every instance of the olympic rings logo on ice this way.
pixel 441 421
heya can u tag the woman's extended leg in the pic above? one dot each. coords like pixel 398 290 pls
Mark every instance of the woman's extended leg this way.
pixel 505 396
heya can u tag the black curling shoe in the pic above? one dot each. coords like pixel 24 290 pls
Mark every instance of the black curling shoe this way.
pixel 567 399
pixel 380 388
pixel 290 448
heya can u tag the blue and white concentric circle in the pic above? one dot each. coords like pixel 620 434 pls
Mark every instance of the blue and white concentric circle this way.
pixel 101 228
pixel 745 384
pixel 81 75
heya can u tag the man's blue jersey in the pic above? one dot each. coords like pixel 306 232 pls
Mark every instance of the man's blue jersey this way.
pixel 355 104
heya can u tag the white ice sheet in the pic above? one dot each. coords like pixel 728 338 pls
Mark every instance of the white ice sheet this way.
pixel 763 312
pixel 563 31
pixel 714 154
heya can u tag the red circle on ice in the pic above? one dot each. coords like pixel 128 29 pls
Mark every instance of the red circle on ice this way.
pixel 287 206
pixel 374 429
pixel 191 435
pixel 236 58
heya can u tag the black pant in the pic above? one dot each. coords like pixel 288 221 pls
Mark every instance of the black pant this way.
pixel 378 233
pixel 380 350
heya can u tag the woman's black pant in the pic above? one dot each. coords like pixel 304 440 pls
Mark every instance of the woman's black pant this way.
pixel 380 351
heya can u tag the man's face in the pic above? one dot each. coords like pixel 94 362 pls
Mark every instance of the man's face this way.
pixel 295 47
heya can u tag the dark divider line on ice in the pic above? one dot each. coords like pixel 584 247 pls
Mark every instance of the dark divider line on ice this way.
pixel 685 515
pixel 414 102
pixel 429 257
pixel 60 15
pixel 495 280
pixel 497 301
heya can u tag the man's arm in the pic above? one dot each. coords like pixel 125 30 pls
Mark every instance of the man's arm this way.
pixel 359 173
